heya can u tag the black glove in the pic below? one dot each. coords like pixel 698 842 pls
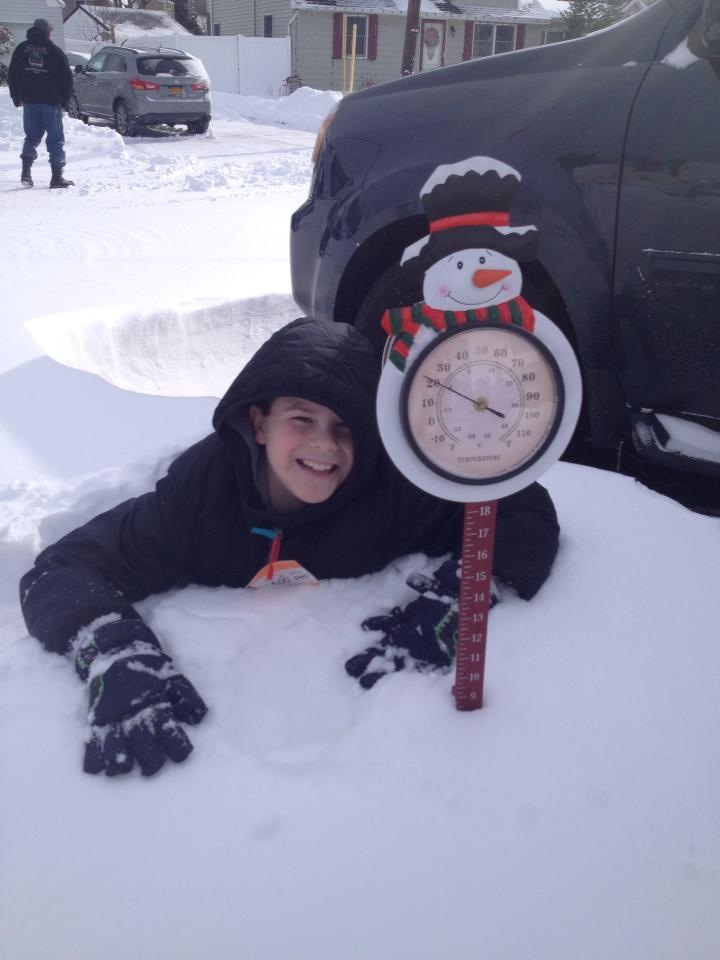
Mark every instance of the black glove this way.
pixel 137 699
pixel 422 634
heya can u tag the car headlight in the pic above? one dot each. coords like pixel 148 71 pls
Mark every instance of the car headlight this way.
pixel 322 134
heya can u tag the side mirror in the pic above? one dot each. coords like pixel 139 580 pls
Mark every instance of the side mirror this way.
pixel 79 68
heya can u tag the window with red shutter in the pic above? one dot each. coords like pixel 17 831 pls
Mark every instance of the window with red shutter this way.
pixel 520 36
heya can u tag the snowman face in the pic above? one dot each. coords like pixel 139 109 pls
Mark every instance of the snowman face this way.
pixel 470 279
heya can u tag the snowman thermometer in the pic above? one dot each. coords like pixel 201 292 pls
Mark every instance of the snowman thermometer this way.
pixel 480 393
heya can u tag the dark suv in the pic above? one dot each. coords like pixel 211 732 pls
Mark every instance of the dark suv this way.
pixel 617 139
pixel 135 88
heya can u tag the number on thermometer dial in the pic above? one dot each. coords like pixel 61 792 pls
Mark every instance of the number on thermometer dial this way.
pixel 482 403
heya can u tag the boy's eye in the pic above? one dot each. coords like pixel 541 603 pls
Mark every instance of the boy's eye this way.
pixel 301 418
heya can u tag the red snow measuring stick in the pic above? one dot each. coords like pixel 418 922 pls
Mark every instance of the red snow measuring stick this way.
pixel 475 589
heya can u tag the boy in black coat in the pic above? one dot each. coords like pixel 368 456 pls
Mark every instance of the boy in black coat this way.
pixel 292 486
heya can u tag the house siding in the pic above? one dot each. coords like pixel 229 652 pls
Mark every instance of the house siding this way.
pixel 234 16
pixel 534 34
pixel 279 10
pixel 18 15
pixel 312 35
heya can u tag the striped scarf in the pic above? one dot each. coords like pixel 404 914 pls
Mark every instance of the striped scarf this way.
pixel 403 323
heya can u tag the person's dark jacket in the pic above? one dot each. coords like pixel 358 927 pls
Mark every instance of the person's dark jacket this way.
pixel 39 72
pixel 197 526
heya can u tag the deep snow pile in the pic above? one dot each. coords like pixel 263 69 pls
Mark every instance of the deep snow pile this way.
pixel 575 816
pixel 305 109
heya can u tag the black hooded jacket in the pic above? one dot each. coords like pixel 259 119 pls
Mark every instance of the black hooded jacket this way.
pixel 197 526
pixel 39 72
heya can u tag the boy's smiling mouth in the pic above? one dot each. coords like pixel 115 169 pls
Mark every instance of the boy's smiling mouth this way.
pixel 316 466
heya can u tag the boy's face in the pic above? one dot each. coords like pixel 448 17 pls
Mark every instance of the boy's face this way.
pixel 309 451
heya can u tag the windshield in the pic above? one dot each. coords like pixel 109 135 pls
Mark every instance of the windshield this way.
pixel 171 66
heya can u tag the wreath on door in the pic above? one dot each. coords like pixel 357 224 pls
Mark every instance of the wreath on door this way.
pixel 432 36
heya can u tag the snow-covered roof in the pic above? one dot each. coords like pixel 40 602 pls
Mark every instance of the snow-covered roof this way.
pixel 552 7
pixel 449 9
pixel 139 21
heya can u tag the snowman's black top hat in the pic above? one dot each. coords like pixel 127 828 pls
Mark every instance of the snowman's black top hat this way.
pixel 468 206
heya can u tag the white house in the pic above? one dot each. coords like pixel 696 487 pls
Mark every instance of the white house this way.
pixel 450 31
pixel 18 15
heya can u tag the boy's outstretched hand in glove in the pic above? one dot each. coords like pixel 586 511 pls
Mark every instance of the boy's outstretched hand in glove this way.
pixel 137 699
pixel 422 634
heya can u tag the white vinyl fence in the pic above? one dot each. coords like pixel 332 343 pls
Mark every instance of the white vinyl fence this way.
pixel 254 66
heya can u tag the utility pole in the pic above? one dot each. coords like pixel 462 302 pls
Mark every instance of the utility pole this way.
pixel 412 29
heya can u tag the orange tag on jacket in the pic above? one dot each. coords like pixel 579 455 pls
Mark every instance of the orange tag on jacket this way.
pixel 282 573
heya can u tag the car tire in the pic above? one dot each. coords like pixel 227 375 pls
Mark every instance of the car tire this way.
pixel 198 126
pixel 74 109
pixel 395 288
pixel 124 121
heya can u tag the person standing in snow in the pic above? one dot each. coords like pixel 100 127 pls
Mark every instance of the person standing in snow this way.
pixel 41 82
pixel 293 486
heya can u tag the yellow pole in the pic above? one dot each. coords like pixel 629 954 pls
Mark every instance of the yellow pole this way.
pixel 352 58
pixel 344 55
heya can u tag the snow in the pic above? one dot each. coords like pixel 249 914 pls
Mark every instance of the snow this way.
pixel 552 6
pixel 691 439
pixel 681 57
pixel 574 816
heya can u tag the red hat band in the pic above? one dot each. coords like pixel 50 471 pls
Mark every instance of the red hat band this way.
pixel 489 219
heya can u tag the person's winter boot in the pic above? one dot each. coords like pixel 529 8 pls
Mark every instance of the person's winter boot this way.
pixel 25 177
pixel 58 180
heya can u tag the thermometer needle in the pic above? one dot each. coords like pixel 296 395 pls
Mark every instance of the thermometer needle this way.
pixel 479 405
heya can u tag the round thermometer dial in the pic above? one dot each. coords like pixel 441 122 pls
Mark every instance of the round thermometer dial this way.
pixel 482 403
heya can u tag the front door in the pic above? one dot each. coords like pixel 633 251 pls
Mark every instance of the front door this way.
pixel 432 44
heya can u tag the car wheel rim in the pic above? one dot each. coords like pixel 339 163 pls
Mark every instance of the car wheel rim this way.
pixel 122 120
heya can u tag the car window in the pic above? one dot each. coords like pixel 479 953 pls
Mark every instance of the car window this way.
pixel 116 62
pixel 171 66
pixel 97 63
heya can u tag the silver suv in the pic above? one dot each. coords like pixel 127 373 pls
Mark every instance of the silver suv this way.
pixel 136 88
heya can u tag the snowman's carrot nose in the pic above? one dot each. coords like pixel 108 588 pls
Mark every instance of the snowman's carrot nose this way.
pixel 485 278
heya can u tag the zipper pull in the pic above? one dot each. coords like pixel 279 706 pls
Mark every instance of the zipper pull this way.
pixel 276 537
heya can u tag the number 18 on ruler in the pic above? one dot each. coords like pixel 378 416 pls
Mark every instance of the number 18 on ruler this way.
pixel 475 591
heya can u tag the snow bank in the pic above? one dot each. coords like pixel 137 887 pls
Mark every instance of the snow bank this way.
pixel 190 349
pixel 303 110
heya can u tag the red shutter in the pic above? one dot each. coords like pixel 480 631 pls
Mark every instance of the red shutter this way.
pixel 520 36
pixel 467 46
pixel 338 23
pixel 372 36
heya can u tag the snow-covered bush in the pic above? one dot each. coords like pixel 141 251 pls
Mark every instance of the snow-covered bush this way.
pixel 7 42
